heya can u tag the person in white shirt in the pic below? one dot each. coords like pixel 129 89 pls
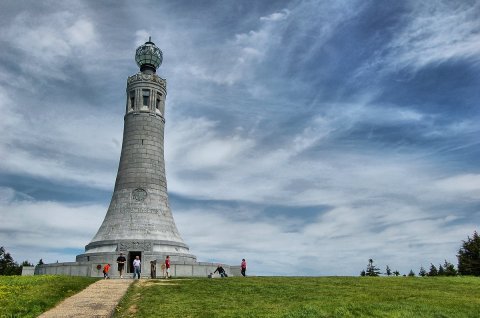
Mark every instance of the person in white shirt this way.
pixel 136 267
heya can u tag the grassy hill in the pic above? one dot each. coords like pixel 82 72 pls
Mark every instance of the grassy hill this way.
pixel 29 296
pixel 295 297
pixel 286 297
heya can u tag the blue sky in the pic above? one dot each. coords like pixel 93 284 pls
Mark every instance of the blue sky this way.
pixel 304 136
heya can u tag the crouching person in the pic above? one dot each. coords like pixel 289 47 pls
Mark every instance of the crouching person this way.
pixel 221 271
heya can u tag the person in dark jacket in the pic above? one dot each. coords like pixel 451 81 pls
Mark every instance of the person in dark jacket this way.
pixel 221 271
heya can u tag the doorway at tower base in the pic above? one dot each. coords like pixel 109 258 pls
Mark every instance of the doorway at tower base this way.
pixel 94 269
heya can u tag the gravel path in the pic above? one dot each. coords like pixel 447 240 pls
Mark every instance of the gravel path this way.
pixel 97 300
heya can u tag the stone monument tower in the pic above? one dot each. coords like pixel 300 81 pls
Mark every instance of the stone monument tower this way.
pixel 139 221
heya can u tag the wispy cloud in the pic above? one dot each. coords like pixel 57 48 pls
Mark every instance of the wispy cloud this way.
pixel 235 60
pixel 465 185
pixel 430 33
pixel 49 43
pixel 438 32
pixel 43 226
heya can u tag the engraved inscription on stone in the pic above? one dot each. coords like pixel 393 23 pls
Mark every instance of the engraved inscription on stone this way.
pixel 130 208
pixel 135 245
pixel 139 194
pixel 144 77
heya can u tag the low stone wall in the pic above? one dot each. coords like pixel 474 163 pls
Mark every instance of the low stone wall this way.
pixel 28 270
pixel 180 269
pixel 199 269
pixel 70 269
pixel 236 270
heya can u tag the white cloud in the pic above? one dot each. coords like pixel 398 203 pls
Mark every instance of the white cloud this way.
pixel 435 32
pixel 276 16
pixel 40 227
pixel 195 144
pixel 236 59
pixel 6 195
pixel 240 167
pixel 68 149
pixel 382 205
pixel 81 33
pixel 438 32
pixel 141 36
pixel 465 185
pixel 49 42
pixel 346 237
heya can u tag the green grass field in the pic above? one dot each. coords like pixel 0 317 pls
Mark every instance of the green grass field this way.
pixel 286 297
pixel 305 297
pixel 29 296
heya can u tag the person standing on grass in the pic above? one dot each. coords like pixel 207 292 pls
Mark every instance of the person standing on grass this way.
pixel 243 267
pixel 121 260
pixel 106 268
pixel 137 267
pixel 167 267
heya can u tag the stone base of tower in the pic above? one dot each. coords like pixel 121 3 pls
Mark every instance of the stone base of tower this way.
pixel 98 254
pixel 146 258
pixel 107 251
pixel 94 269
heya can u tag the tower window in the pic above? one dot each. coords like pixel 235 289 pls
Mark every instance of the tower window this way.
pixel 159 99
pixel 146 96
pixel 132 99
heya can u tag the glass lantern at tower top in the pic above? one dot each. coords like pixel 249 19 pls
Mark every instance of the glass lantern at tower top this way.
pixel 148 56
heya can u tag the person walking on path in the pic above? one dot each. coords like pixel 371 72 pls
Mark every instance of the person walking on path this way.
pixel 106 268
pixel 243 267
pixel 137 267
pixel 121 260
pixel 167 267
pixel 221 271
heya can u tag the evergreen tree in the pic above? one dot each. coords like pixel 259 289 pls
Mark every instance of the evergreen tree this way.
pixel 7 265
pixel 433 271
pixel 441 271
pixel 422 272
pixel 371 269
pixel 411 273
pixel 449 269
pixel 40 262
pixel 26 263
pixel 362 273
pixel 388 271
pixel 396 273
pixel 469 256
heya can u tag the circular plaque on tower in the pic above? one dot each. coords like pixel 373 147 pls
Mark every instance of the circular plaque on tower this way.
pixel 139 194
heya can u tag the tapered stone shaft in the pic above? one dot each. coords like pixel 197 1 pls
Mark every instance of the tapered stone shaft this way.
pixel 139 220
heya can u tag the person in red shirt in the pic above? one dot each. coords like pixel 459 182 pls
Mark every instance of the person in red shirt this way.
pixel 106 268
pixel 244 267
pixel 167 267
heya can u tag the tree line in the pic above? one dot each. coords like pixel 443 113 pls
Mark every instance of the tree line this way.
pixel 8 266
pixel 468 263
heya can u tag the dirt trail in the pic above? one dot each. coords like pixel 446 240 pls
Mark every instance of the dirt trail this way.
pixel 97 300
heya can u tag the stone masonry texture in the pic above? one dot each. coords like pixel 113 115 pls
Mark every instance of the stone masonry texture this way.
pixel 139 217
